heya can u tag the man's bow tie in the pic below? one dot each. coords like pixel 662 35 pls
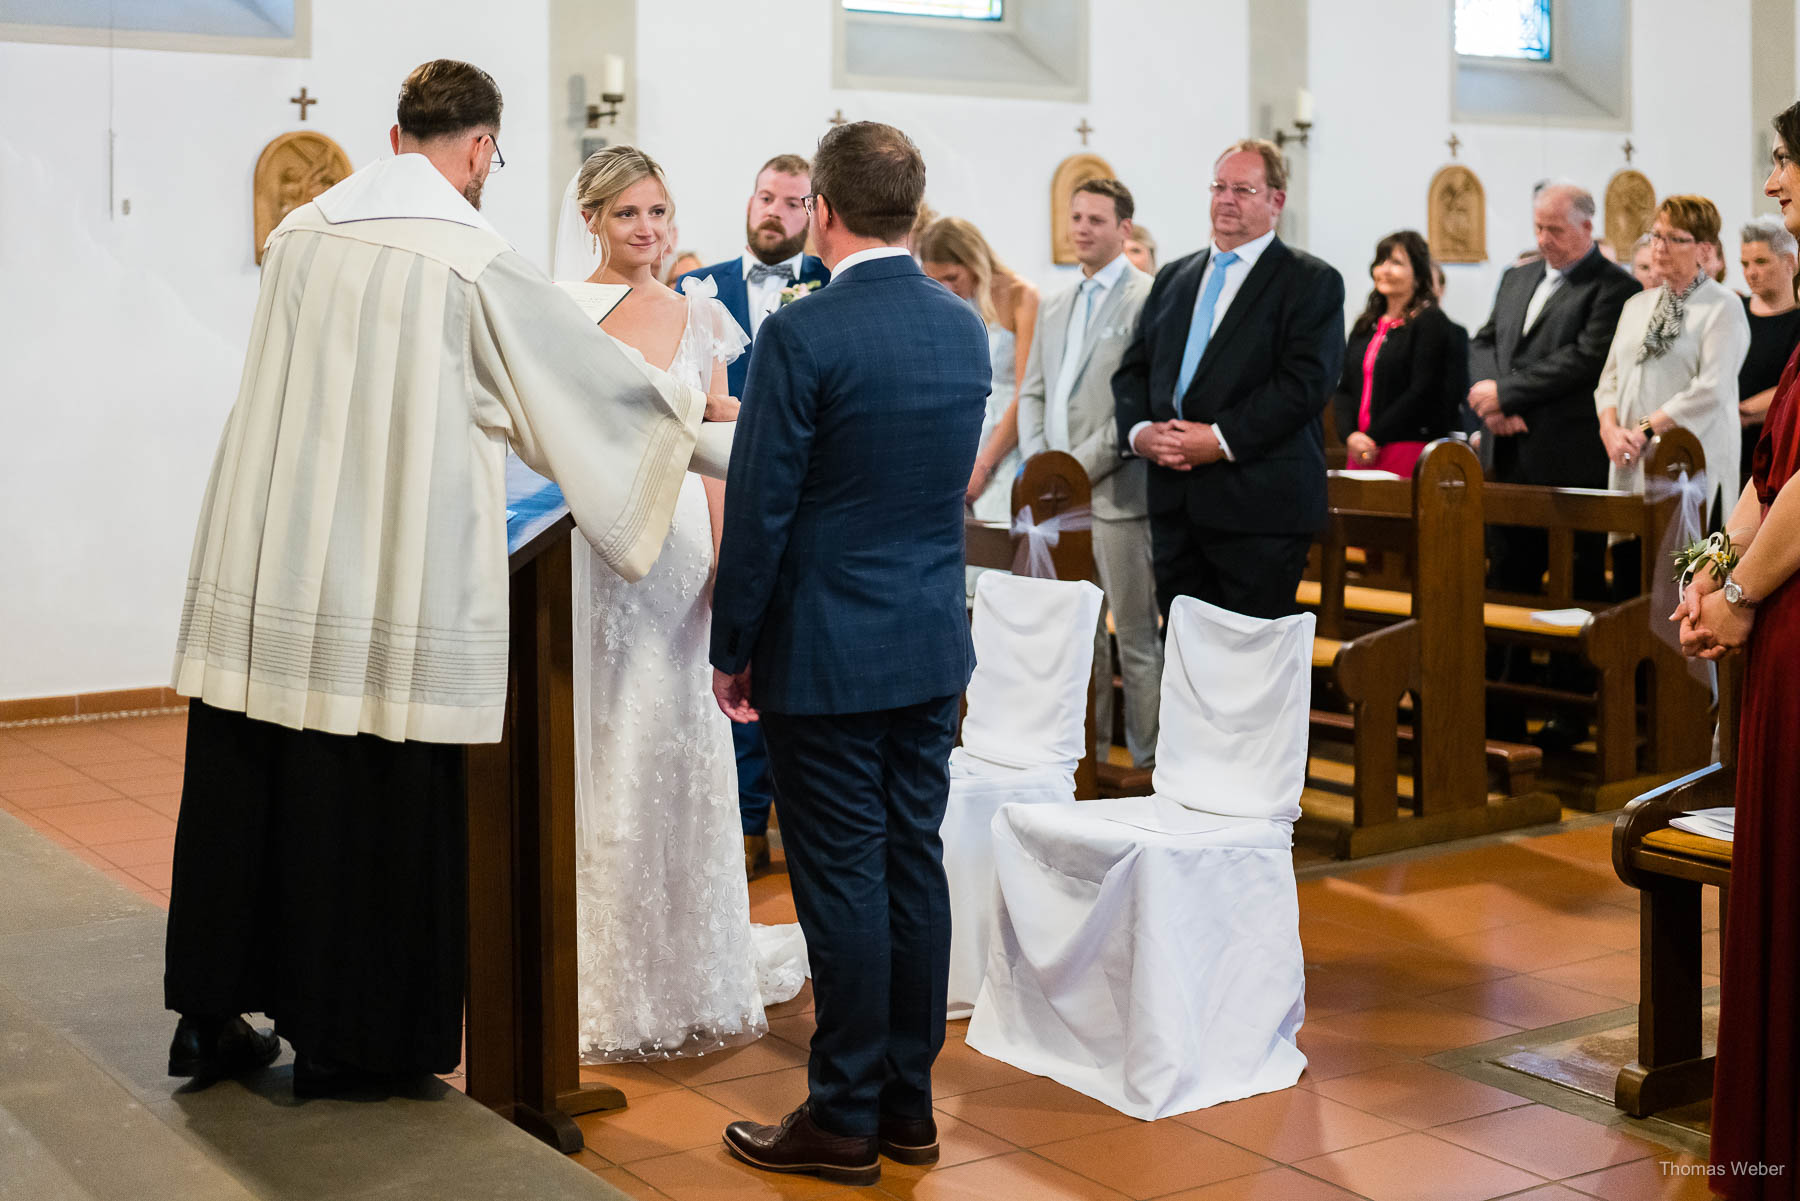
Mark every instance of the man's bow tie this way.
pixel 762 271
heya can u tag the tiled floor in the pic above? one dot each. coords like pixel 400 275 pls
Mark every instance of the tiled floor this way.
pixel 1404 960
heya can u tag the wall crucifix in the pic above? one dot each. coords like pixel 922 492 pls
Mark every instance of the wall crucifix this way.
pixel 1084 129
pixel 304 101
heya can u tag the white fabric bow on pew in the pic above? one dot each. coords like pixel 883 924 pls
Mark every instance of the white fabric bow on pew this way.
pixel 1041 538
pixel 1691 494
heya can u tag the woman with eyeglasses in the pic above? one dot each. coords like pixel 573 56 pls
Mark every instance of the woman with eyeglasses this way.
pixel 1400 387
pixel 1674 361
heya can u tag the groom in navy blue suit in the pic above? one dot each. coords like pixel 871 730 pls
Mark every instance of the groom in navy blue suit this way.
pixel 750 288
pixel 839 616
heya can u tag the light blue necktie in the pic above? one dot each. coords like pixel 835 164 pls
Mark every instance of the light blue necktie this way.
pixel 1200 332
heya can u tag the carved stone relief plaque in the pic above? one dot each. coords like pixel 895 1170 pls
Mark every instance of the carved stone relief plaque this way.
pixel 291 170
pixel 1457 216
pixel 1630 208
pixel 1071 173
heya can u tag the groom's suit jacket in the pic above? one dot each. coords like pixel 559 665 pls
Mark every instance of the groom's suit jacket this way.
pixel 729 275
pixel 840 576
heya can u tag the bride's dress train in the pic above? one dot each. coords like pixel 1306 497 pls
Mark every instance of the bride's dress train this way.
pixel 668 962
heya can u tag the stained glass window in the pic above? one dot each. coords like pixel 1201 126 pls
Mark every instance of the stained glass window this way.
pixel 1517 29
pixel 967 10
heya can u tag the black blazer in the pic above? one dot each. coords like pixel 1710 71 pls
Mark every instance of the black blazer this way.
pixel 1263 380
pixel 1418 381
pixel 1547 376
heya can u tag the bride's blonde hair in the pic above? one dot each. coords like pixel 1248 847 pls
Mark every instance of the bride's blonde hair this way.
pixel 604 178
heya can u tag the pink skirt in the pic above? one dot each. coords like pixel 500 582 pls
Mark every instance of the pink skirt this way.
pixel 1398 457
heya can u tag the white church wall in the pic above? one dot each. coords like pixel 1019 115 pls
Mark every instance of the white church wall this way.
pixel 1380 77
pixel 121 337
pixel 1168 87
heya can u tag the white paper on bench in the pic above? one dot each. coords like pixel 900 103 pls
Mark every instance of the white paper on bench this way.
pixel 1363 473
pixel 1562 619
pixel 1708 823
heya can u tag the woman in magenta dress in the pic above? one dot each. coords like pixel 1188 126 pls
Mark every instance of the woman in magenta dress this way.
pixel 1756 1094
pixel 1402 379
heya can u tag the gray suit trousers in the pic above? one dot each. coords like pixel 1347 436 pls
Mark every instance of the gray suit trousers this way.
pixel 1122 554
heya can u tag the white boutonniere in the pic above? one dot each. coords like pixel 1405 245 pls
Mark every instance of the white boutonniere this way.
pixel 794 292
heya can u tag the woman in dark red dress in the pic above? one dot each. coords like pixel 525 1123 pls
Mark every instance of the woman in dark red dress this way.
pixel 1756 1094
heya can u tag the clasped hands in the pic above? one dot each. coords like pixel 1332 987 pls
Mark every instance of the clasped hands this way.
pixel 1178 445
pixel 1484 401
pixel 1624 444
pixel 1711 626
pixel 721 408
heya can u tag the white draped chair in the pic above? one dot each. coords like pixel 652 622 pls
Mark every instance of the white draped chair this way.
pixel 1025 731
pixel 1146 951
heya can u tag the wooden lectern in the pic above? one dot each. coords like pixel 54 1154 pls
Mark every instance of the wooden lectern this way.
pixel 521 1058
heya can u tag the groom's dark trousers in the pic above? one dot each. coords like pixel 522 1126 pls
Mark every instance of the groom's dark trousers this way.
pixel 862 796
pixel 840 587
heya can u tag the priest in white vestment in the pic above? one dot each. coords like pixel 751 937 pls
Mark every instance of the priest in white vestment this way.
pixel 345 627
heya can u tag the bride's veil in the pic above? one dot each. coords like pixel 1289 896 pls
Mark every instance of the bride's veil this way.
pixel 576 256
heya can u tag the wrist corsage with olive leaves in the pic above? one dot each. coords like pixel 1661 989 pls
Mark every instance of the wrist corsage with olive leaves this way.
pixel 1714 554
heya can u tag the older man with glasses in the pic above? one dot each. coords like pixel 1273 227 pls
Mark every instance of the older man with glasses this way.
pixel 1222 389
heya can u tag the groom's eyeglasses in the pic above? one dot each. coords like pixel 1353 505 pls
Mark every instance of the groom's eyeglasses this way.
pixel 806 202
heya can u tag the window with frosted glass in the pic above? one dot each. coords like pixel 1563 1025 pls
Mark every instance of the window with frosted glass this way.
pixel 967 10
pixel 1516 29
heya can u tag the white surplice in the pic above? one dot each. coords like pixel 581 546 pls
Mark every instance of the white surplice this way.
pixel 349 572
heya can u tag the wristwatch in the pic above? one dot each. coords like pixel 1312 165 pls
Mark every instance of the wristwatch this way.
pixel 1734 595
pixel 1646 429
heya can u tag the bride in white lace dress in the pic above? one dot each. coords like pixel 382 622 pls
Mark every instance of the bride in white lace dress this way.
pixel 668 965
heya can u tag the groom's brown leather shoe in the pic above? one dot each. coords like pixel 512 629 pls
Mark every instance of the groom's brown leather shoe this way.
pixel 909 1140
pixel 756 855
pixel 799 1145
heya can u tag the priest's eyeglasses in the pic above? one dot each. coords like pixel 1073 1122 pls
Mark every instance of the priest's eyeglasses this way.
pixel 499 160
pixel 806 202
pixel 1242 191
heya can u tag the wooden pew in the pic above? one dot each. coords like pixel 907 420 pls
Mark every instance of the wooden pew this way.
pixel 1669 868
pixel 1619 638
pixel 1616 642
pixel 1427 532
pixel 1051 483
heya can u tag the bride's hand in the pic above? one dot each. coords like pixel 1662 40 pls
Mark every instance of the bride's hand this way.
pixel 721 408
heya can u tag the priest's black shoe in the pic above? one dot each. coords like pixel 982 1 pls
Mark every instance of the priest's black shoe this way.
pixel 214 1048
pixel 909 1140
pixel 316 1077
pixel 799 1145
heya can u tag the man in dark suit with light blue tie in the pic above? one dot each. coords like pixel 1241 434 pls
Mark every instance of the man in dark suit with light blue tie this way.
pixel 751 287
pixel 839 617
pixel 1235 355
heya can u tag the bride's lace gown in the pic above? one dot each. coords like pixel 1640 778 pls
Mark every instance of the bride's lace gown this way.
pixel 668 965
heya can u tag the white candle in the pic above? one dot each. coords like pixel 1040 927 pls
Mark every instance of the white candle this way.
pixel 614 75
pixel 1303 107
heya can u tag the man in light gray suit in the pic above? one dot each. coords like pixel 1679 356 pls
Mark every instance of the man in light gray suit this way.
pixel 1066 403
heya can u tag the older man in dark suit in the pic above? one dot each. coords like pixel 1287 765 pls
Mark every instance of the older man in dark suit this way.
pixel 1535 364
pixel 1222 389
pixel 839 615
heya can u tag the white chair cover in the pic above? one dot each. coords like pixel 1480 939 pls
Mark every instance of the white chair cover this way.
pixel 1239 691
pixel 1034 656
pixel 1024 733
pixel 1146 952
pixel 1145 955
